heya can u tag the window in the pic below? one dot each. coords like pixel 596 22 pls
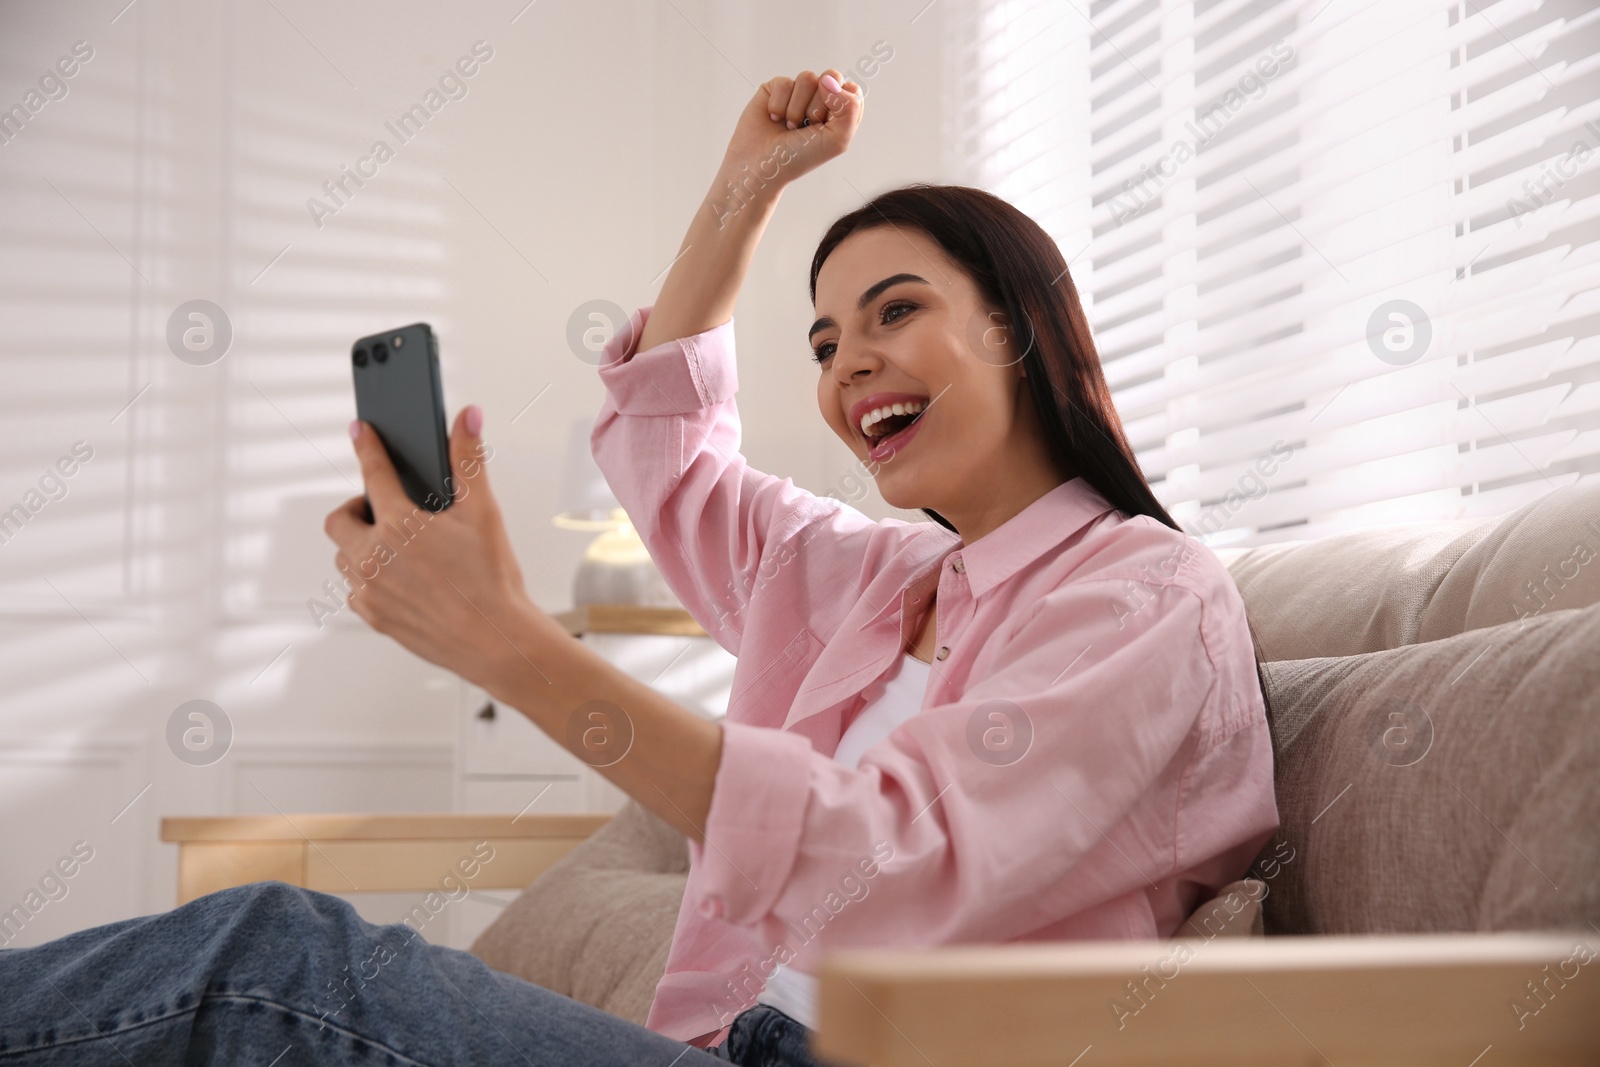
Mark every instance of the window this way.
pixel 1351 242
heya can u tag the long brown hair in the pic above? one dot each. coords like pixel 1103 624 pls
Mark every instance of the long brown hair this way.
pixel 1012 262
pixel 1018 268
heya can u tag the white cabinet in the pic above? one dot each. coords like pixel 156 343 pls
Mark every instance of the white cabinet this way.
pixel 505 763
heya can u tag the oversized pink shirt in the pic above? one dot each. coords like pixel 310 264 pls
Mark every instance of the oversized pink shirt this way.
pixel 1091 759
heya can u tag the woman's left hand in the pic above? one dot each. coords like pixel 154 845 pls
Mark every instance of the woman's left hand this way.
pixel 445 584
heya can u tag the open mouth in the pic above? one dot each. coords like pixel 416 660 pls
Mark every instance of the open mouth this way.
pixel 891 426
pixel 888 433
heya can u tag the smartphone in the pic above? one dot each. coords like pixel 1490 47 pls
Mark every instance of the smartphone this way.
pixel 399 395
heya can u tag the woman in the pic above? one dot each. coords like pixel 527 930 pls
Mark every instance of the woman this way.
pixel 1036 718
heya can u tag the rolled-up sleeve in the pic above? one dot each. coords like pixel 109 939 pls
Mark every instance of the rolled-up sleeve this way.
pixel 1049 788
pixel 681 377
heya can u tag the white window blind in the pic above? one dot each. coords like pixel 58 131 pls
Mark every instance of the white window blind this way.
pixel 1341 257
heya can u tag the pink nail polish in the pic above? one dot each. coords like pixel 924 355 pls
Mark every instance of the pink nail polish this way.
pixel 355 429
pixel 790 124
pixel 830 83
pixel 773 115
pixel 474 420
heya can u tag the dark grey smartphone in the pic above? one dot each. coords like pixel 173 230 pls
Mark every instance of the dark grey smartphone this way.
pixel 399 395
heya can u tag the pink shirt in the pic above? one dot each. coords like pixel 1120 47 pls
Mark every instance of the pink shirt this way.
pixel 1091 759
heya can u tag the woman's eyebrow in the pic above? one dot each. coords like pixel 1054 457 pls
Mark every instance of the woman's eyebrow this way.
pixel 866 298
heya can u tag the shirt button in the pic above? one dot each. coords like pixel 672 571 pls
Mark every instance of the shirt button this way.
pixel 944 650
pixel 960 566
pixel 712 907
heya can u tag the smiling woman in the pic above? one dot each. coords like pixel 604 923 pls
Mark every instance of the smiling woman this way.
pixel 1064 768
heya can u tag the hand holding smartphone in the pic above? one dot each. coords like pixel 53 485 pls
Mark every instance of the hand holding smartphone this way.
pixel 399 394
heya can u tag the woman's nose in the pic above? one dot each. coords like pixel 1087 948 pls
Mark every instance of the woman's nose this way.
pixel 853 362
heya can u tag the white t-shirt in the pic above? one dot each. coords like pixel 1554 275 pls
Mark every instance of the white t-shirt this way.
pixel 895 697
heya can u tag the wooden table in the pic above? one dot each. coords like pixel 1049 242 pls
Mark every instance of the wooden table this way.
pixel 367 853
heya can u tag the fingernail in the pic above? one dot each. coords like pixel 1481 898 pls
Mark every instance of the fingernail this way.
pixel 790 123
pixel 474 420
pixel 830 83
pixel 773 115
pixel 355 429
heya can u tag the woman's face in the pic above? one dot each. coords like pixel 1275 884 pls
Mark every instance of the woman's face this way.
pixel 926 337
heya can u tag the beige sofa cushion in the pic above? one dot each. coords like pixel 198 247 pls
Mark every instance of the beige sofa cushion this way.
pixel 1446 786
pixel 596 926
pixel 1544 557
pixel 1387 586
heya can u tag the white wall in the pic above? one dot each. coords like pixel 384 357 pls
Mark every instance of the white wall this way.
pixel 177 167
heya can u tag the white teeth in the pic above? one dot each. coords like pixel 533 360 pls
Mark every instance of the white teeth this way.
pixel 877 415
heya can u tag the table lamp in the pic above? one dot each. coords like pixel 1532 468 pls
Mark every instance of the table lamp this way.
pixel 616 567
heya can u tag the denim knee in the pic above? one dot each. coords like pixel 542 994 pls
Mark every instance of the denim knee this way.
pixel 274 907
pixel 267 896
pixel 266 927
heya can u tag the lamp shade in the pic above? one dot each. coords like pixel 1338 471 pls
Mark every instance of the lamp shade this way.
pixel 586 501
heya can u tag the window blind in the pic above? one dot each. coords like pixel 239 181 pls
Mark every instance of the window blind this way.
pixel 1341 257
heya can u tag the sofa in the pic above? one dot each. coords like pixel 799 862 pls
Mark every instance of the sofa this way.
pixel 1435 690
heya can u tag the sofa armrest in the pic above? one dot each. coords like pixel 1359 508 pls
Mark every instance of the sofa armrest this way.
pixel 1358 1001
pixel 367 853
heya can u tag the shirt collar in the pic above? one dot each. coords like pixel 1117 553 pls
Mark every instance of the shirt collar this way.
pixel 1030 533
pixel 1015 543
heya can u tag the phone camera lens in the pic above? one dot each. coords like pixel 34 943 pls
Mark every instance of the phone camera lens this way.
pixel 360 357
pixel 380 352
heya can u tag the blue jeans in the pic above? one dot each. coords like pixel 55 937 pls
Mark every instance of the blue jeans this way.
pixel 268 975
